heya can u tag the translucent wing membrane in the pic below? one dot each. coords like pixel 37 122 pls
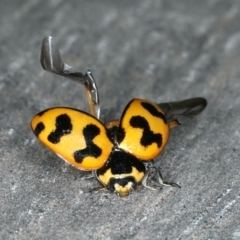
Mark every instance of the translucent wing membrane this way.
pixel 180 112
pixel 51 61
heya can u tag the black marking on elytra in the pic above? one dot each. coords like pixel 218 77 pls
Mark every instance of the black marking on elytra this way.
pixel 121 162
pixel 39 128
pixel 63 127
pixel 148 136
pixel 153 111
pixel 92 150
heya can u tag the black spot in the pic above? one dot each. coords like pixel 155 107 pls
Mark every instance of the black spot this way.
pixel 39 128
pixel 63 127
pixel 122 162
pixel 153 111
pixel 148 137
pixel 92 150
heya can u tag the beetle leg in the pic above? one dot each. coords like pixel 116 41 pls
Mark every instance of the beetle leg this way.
pixel 144 181
pixel 160 180
pixel 51 61
pixel 96 189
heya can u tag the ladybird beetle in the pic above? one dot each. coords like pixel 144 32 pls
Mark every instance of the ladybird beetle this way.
pixel 119 152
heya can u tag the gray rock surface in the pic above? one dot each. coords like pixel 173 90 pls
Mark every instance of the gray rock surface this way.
pixel 159 50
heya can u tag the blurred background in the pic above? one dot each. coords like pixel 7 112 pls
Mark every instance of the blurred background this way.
pixel 157 50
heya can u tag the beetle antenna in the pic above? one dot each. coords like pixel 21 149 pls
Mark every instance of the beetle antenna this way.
pixel 51 61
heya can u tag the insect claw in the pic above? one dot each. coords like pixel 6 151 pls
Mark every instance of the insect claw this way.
pixel 172 184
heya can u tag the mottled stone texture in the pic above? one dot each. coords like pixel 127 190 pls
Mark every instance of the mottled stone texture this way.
pixel 158 50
